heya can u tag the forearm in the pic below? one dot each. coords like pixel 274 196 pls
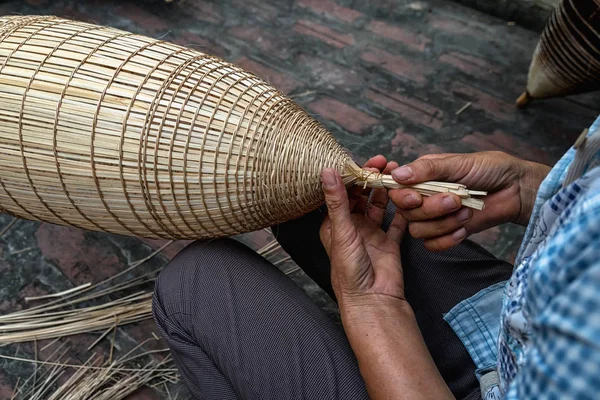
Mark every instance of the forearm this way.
pixel 532 177
pixel 391 353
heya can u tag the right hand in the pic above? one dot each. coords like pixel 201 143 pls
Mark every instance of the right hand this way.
pixel 440 220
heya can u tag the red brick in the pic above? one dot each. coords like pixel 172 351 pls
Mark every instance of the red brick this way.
pixel 484 101
pixel 8 306
pixel 324 34
pixel 142 331
pixel 188 39
pixel 170 251
pixel 448 25
pixel 279 80
pixel 411 147
pixel 257 239
pixel 486 238
pixel 470 65
pixel 256 36
pixel 414 110
pixel 260 8
pixel 500 141
pixel 202 10
pixel 145 393
pixel 80 260
pixel 330 8
pixel 79 344
pixel 4 265
pixel 31 291
pixel 397 65
pixel 6 388
pixel 413 40
pixel 327 73
pixel 344 115
pixel 76 14
pixel 511 255
pixel 141 17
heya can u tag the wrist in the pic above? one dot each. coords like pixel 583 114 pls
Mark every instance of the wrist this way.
pixel 372 307
pixel 532 176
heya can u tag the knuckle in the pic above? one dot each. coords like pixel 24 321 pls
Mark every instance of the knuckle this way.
pixel 428 166
pixel 416 231
pixel 334 202
pixel 435 245
pixel 429 209
pixel 409 215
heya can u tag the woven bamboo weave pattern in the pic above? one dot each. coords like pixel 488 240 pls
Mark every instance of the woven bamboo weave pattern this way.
pixel 567 58
pixel 106 130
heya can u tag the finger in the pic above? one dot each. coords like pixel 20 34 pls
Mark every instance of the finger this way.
pixel 406 199
pixel 426 169
pixel 379 199
pixel 336 198
pixel 363 200
pixel 447 241
pixel 378 162
pixel 392 165
pixel 325 235
pixel 354 196
pixel 433 207
pixel 438 227
pixel 397 228
pixel 436 156
pixel 357 204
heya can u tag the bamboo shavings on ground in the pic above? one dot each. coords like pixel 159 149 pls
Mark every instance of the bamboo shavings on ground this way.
pixel 42 326
pixel 30 389
pixel 66 316
pixel 95 379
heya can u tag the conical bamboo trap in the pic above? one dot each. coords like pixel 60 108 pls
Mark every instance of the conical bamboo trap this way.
pixel 566 60
pixel 106 130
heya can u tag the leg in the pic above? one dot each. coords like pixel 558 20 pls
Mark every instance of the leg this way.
pixel 239 328
pixel 434 283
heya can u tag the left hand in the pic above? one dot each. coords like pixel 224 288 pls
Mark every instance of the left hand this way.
pixel 365 260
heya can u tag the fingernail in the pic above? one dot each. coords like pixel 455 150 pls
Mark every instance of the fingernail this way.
pixel 463 215
pixel 329 180
pixel 402 173
pixel 459 235
pixel 411 200
pixel 449 203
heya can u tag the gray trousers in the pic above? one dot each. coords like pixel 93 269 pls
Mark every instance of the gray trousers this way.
pixel 238 328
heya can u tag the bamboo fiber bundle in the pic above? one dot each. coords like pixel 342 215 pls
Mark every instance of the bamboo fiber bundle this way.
pixel 566 60
pixel 106 130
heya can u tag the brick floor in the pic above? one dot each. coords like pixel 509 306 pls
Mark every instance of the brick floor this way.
pixel 385 76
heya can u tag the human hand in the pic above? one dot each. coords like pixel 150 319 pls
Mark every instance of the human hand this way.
pixel 365 260
pixel 440 220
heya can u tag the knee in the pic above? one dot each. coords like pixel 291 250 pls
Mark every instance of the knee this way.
pixel 189 275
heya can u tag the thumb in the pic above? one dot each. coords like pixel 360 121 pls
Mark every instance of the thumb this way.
pixel 425 169
pixel 336 198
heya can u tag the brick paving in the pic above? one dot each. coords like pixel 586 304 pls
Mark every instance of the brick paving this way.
pixel 384 76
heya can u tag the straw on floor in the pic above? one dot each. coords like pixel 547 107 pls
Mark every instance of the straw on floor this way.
pixel 95 379
pixel 87 309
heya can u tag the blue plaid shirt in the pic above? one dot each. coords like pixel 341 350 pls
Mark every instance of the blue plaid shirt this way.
pixel 537 336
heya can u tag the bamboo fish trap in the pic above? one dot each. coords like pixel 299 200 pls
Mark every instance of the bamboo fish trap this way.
pixel 106 130
pixel 566 60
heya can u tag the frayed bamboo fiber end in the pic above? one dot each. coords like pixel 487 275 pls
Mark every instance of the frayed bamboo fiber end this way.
pixel 355 175
pixel 524 99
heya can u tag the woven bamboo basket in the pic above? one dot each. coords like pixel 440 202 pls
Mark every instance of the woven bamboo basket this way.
pixel 566 60
pixel 106 130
